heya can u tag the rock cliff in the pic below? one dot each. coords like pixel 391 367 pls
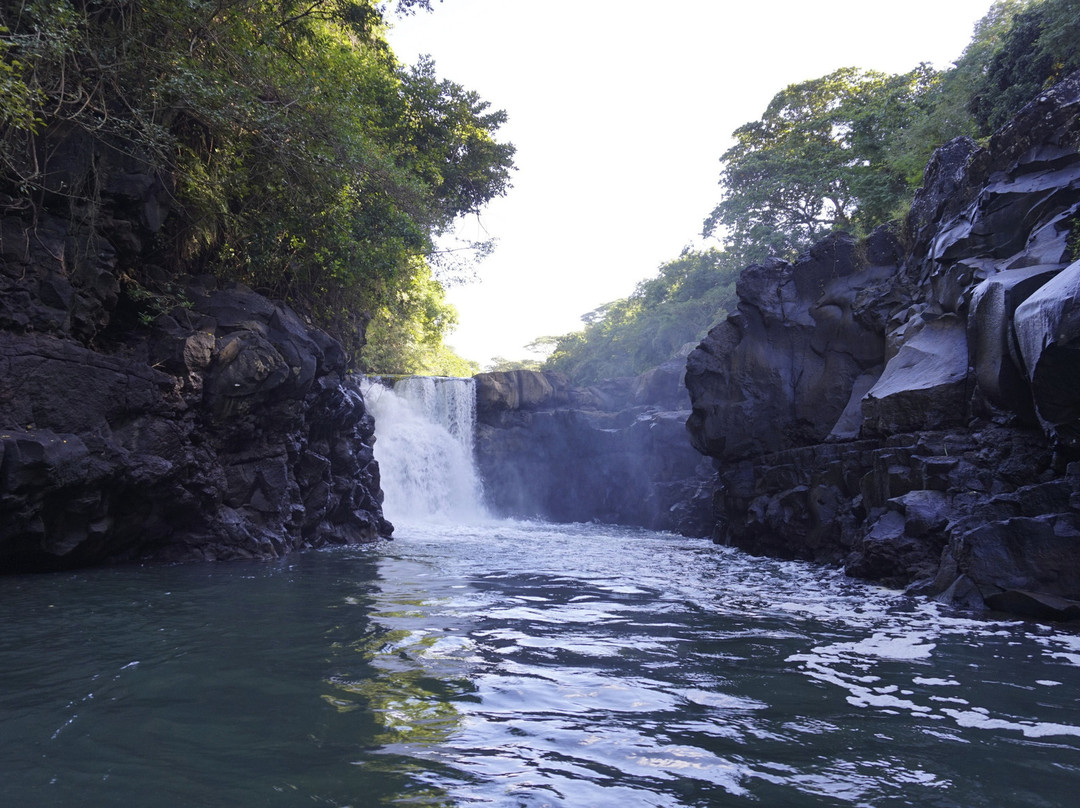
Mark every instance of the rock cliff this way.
pixel 909 405
pixel 188 422
pixel 615 453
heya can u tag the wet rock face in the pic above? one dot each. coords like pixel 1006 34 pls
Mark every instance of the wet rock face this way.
pixel 616 452
pixel 224 428
pixel 780 373
pixel 244 440
pixel 1047 327
pixel 924 384
pixel 914 414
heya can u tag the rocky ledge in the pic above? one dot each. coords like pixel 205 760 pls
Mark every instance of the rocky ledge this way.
pixel 194 423
pixel 909 405
pixel 615 452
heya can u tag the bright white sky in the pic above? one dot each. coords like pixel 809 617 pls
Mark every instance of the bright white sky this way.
pixel 620 111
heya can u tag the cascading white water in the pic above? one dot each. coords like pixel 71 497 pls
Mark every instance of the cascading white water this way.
pixel 424 433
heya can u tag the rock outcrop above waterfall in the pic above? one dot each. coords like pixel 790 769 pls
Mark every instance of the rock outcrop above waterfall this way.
pixel 909 405
pixel 212 424
pixel 615 452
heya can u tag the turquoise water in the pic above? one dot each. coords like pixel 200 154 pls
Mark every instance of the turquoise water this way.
pixel 514 664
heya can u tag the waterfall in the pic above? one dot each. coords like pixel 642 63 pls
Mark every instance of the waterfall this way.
pixel 424 433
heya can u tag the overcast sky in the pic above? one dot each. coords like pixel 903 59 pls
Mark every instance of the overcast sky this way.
pixel 620 111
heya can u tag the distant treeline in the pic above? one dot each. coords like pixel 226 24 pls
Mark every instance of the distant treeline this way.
pixel 842 152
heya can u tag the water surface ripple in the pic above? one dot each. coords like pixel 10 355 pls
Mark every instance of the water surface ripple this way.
pixel 514 664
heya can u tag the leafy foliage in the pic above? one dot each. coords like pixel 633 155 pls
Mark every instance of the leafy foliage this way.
pixel 1039 45
pixel 843 151
pixel 305 160
pixel 18 103
pixel 1072 242
pixel 407 332
pixel 846 151
pixel 820 158
pixel 664 313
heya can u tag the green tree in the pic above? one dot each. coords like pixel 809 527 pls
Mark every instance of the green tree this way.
pixel 844 151
pixel 820 158
pixel 1060 36
pixel 1036 44
pixel 18 103
pixel 676 307
pixel 303 158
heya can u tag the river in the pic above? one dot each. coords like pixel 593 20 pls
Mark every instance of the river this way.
pixel 499 663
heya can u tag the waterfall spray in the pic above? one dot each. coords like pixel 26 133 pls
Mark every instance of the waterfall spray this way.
pixel 424 434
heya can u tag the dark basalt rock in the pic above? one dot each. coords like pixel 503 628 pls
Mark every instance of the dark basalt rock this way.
pixel 1047 326
pixel 925 384
pixel 226 450
pixel 614 453
pixel 780 372
pixel 913 414
pixel 224 428
pixel 996 362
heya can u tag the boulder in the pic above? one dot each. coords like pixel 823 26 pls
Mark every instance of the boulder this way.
pixel 1048 333
pixel 780 372
pixel 924 386
pixel 208 437
pixel 915 416
pixel 663 386
pixel 519 389
pixel 1023 553
pixel 944 192
pixel 148 415
pixel 995 355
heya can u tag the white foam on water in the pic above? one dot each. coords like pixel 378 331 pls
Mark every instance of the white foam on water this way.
pixel 978 719
pixel 887 647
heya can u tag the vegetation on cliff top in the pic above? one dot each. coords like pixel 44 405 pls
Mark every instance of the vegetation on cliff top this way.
pixel 663 315
pixel 845 151
pixel 301 157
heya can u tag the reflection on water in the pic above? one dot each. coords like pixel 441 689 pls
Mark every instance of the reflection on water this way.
pixel 401 680
pixel 523 665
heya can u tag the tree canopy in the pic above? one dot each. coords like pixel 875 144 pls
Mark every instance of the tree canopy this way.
pixel 845 151
pixel 1033 45
pixel 626 337
pixel 819 158
pixel 304 159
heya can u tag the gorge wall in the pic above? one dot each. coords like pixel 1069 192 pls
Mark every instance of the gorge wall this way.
pixel 196 422
pixel 616 452
pixel 909 405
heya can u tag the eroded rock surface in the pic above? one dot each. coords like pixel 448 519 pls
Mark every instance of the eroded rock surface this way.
pixel 616 452
pixel 913 412
pixel 208 424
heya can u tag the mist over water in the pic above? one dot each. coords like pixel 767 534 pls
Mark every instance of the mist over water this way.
pixel 480 662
